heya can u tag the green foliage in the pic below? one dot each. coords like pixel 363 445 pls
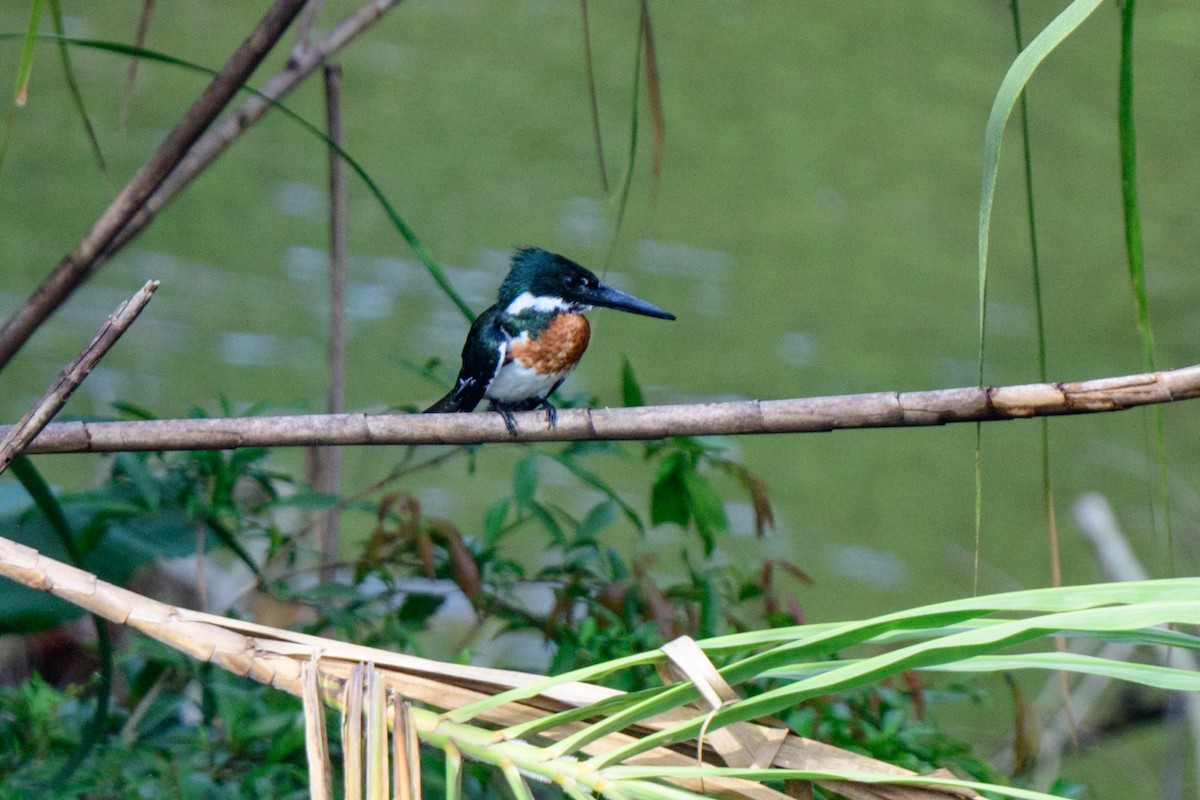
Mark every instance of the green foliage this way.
pixel 187 730
pixel 184 731
pixel 149 505
pixel 888 724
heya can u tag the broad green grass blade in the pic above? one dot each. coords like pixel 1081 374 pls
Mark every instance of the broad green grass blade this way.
pixel 811 641
pixel 1014 82
pixel 409 236
pixel 73 86
pixel 1145 674
pixel 948 649
pixel 1054 605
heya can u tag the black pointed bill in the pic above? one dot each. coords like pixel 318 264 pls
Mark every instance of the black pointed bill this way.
pixel 607 297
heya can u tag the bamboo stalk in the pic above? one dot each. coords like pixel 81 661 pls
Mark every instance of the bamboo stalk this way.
pixel 797 415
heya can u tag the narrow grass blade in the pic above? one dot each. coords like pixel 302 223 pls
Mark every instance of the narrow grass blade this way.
pixel 1135 251
pixel 516 783
pixel 1039 309
pixel 453 772
pixel 658 125
pixel 593 105
pixel 1014 82
pixel 25 68
pixel 627 179
pixel 73 87
pixel 622 775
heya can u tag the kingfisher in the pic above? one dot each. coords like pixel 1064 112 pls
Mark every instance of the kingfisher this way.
pixel 520 350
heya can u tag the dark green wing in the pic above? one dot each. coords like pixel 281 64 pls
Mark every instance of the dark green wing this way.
pixel 482 357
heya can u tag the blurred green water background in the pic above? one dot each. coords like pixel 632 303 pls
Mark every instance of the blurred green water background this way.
pixel 814 231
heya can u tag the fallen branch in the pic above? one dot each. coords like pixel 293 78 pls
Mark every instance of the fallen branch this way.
pixel 17 437
pixel 77 265
pixel 800 415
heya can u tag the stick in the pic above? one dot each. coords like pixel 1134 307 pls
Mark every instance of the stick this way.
pixel 18 436
pixel 79 264
pixel 329 459
pixel 800 415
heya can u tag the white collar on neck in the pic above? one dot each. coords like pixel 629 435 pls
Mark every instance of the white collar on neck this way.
pixel 527 301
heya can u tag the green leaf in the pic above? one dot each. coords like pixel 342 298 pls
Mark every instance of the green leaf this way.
pixel 133 411
pixel 543 515
pixel 669 496
pixel 493 524
pixel 525 480
pixel 600 517
pixel 133 466
pixel 707 508
pixel 631 391
pixel 596 482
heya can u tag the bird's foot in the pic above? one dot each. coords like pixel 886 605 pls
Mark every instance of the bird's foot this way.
pixel 506 413
pixel 551 412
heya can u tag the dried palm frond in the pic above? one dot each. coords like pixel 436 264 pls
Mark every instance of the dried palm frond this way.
pixel 579 735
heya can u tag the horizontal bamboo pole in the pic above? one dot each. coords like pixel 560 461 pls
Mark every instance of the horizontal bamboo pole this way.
pixel 798 415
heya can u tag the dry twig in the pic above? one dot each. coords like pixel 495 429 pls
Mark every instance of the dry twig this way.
pixel 798 415
pixel 19 435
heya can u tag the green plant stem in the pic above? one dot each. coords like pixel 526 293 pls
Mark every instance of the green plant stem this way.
pixel 1039 308
pixel 1136 253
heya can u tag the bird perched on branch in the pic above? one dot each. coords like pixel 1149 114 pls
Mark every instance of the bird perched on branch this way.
pixel 523 347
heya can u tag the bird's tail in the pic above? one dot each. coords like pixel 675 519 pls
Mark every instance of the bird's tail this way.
pixel 449 404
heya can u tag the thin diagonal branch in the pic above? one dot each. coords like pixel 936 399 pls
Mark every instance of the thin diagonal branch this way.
pixel 18 436
pixel 798 415
pixel 77 265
